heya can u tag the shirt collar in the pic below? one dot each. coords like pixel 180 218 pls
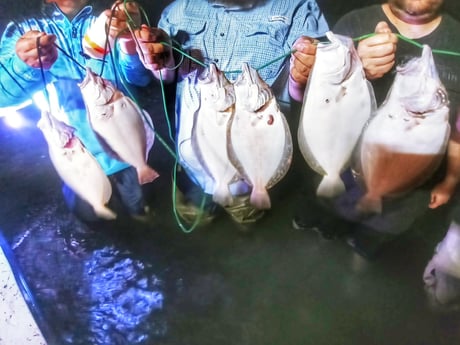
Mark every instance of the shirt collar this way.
pixel 53 11
pixel 242 7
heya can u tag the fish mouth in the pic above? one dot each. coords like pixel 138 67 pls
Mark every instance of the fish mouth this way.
pixel 344 46
pixel 213 75
pixel 89 77
pixel 253 90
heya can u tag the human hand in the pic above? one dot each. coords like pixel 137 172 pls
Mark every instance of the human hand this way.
pixel 153 54
pixel 122 19
pixel 302 59
pixel 301 63
pixel 37 49
pixel 377 53
pixel 441 194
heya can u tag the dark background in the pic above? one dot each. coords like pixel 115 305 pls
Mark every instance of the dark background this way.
pixel 220 287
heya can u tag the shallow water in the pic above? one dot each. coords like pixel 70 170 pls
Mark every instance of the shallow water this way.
pixel 154 284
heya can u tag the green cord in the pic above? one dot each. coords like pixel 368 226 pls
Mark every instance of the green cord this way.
pixel 415 43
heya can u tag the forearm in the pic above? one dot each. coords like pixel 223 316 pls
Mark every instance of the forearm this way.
pixel 18 81
pixel 452 177
pixel 133 70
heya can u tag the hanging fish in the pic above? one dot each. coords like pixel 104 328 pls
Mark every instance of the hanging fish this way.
pixel 119 123
pixel 209 132
pixel 76 166
pixel 337 104
pixel 407 138
pixel 442 273
pixel 259 139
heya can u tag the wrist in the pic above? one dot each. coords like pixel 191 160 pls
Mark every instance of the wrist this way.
pixel 296 89
pixel 127 46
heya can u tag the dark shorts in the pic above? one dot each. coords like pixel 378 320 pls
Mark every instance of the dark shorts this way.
pixel 127 197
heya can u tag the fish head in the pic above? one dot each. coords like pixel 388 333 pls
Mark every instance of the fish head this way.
pixel 336 58
pixel 95 89
pixel 418 86
pixel 56 132
pixel 251 91
pixel 216 90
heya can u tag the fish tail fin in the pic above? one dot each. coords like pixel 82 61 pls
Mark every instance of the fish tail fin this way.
pixel 260 199
pixel 330 186
pixel 369 204
pixel 146 174
pixel 104 212
pixel 222 196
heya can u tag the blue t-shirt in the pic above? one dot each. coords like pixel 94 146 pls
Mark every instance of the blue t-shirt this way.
pixel 65 73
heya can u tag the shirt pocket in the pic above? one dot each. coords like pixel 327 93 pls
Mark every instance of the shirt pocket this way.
pixel 267 42
pixel 188 36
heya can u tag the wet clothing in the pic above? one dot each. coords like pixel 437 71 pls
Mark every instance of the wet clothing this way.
pixel 21 81
pixel 399 213
pixel 229 36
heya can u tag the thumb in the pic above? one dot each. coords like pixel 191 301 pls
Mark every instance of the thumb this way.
pixel 432 202
pixel 382 27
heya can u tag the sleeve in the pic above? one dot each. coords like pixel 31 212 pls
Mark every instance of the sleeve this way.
pixel 17 80
pixel 309 21
pixel 133 70
pixel 129 65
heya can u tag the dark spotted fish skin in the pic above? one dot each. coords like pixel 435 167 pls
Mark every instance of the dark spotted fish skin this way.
pixel 405 141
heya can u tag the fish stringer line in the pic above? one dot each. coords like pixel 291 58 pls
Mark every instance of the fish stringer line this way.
pixel 42 71
pixel 411 41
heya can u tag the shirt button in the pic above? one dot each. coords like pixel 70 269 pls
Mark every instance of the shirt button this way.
pixel 222 34
pixel 216 60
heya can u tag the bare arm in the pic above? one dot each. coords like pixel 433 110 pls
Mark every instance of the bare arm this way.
pixel 444 190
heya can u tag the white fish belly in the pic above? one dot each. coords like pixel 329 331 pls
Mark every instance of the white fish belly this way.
pixel 407 134
pixel 83 174
pixel 210 135
pixel 399 153
pixel 330 130
pixel 124 131
pixel 262 146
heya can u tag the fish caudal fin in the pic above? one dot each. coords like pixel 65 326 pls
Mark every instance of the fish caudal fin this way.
pixel 104 212
pixel 330 186
pixel 260 199
pixel 369 204
pixel 222 196
pixel 146 174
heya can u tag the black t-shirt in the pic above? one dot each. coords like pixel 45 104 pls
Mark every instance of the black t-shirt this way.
pixel 446 37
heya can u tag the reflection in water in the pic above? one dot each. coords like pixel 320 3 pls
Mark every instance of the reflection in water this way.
pixel 123 297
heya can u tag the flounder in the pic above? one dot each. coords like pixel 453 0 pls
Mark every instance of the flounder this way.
pixel 209 132
pixel 442 273
pixel 76 166
pixel 407 138
pixel 337 104
pixel 119 122
pixel 259 139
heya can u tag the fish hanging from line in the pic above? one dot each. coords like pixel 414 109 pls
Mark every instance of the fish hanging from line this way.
pixel 259 139
pixel 209 132
pixel 337 104
pixel 119 123
pixel 76 166
pixel 442 273
pixel 405 141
